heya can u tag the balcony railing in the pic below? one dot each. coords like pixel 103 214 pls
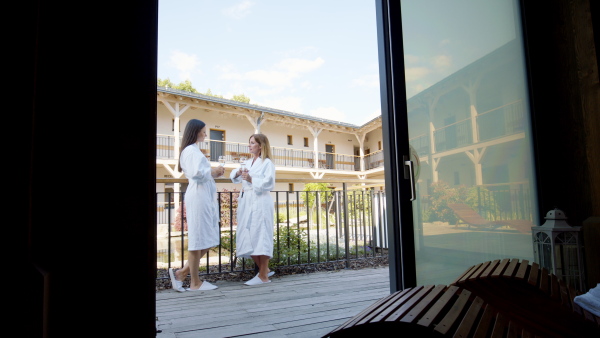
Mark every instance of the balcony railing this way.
pixel 498 122
pixel 505 120
pixel 374 160
pixel 311 227
pixel 286 157
pixel 453 136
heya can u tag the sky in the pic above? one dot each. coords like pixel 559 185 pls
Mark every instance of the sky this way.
pixel 316 57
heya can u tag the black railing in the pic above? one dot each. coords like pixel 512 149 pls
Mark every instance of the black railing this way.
pixel 494 202
pixel 505 201
pixel 311 227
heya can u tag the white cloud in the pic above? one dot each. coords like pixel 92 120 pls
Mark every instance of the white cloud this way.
pixel 184 63
pixel 270 77
pixel 368 117
pixel 442 61
pixel 414 89
pixel 280 75
pixel 306 85
pixel 263 91
pixel 297 66
pixel 330 113
pixel 239 10
pixel 371 81
pixel 411 59
pixel 291 104
pixel 416 73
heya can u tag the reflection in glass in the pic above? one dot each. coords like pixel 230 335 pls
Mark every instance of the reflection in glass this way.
pixel 469 124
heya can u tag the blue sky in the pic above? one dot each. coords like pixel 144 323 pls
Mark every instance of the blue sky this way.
pixel 308 57
pixel 316 57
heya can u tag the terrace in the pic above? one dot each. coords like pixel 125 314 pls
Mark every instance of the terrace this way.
pixel 300 305
pixel 332 232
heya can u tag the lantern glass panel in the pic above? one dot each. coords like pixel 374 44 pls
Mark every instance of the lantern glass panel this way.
pixel 543 246
pixel 567 258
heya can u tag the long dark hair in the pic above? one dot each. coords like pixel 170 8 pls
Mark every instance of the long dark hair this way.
pixel 190 136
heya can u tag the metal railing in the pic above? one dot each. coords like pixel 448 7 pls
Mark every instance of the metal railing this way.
pixel 374 160
pixel 287 157
pixel 506 120
pixel 311 227
pixel 504 201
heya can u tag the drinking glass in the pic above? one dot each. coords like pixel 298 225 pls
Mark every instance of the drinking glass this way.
pixel 222 162
pixel 243 162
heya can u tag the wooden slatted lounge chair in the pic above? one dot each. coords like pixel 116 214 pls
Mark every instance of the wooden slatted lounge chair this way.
pixel 503 298
pixel 467 215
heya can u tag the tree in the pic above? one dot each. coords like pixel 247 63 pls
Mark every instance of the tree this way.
pixel 187 86
pixel 165 83
pixel 309 196
pixel 312 189
pixel 241 98
pixel 209 93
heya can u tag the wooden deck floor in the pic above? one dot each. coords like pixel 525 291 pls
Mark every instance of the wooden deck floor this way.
pixel 307 305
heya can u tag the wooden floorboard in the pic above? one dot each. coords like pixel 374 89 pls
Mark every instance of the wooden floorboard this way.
pixel 303 305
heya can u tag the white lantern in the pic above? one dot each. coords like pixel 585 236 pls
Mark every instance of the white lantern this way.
pixel 558 247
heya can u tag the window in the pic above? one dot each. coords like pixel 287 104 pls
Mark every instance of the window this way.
pixel 291 187
pixel 290 140
pixel 306 141
pixel 379 144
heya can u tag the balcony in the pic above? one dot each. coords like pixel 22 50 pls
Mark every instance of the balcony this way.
pixel 282 157
pixel 494 124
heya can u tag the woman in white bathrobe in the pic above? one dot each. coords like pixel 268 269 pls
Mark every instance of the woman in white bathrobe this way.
pixel 255 213
pixel 201 207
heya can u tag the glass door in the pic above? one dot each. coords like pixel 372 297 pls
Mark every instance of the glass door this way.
pixel 455 103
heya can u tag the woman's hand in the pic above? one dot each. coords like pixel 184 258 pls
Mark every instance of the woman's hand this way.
pixel 246 176
pixel 217 172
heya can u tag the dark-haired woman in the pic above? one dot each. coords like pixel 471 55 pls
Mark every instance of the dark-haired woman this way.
pixel 202 210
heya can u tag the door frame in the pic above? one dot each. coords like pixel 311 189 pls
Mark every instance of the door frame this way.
pixel 330 156
pixel 215 157
pixel 401 246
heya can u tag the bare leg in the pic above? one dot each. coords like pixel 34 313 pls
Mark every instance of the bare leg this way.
pixel 263 266
pixel 256 260
pixel 191 267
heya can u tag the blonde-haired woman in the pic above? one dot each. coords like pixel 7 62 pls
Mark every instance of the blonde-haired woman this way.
pixel 254 237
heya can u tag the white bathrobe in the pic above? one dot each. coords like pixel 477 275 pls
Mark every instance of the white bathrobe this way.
pixel 202 209
pixel 255 213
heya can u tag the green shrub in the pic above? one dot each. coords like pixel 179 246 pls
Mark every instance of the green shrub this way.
pixel 442 195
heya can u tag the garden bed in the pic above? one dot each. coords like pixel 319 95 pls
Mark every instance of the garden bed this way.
pixel 163 281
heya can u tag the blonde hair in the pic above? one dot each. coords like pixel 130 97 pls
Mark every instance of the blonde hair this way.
pixel 265 147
